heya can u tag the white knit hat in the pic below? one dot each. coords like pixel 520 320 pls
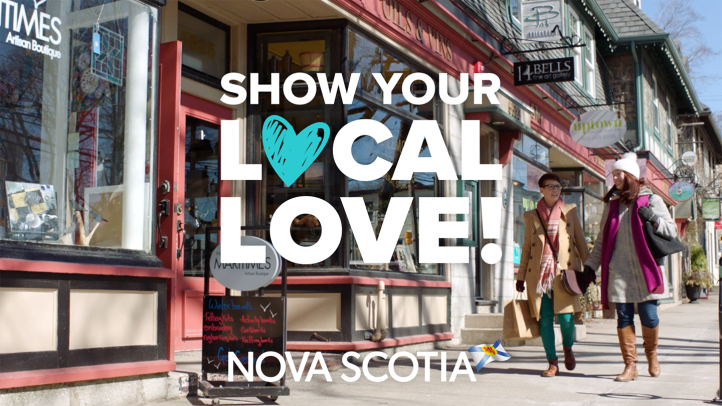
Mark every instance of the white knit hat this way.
pixel 628 164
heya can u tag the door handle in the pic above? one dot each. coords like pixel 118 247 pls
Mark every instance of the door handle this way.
pixel 163 211
pixel 181 240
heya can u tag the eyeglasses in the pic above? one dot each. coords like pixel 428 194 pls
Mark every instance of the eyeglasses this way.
pixel 553 187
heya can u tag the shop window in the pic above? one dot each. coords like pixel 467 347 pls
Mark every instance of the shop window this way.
pixel 291 52
pixel 319 180
pixel 77 127
pixel 569 178
pixel 469 189
pixel 365 57
pixel 533 150
pixel 206 46
pixel 593 184
pixel 378 193
pixel 525 181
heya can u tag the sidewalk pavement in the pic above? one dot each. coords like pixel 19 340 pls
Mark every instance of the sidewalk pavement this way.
pixel 688 354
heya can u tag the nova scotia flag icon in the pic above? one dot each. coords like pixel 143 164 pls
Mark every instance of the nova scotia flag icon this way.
pixel 484 354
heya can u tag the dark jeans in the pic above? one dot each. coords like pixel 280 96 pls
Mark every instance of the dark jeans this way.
pixel 647 314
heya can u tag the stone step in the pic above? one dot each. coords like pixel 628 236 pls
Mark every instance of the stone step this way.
pixel 495 320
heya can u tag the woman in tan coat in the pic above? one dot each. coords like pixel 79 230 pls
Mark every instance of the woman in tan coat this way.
pixel 539 269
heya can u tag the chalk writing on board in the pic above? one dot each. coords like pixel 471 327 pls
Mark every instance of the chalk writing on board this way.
pixel 240 325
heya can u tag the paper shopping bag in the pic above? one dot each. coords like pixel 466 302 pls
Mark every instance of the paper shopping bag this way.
pixel 518 322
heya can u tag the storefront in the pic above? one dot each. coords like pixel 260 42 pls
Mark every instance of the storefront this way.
pixel 334 300
pixel 80 284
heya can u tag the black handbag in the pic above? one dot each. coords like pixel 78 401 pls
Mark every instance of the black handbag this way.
pixel 659 246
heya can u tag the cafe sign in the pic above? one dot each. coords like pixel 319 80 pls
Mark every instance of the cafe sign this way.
pixel 544 71
pixel 597 129
pixel 538 19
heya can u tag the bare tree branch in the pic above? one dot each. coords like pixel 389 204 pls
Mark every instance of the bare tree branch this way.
pixel 681 21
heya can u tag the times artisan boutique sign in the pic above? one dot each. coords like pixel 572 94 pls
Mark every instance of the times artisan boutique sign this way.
pixel 546 71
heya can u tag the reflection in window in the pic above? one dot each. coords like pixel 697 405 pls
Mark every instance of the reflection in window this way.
pixel 366 58
pixel 377 194
pixel 525 180
pixel 318 180
pixel 292 52
pixel 201 191
pixel 75 131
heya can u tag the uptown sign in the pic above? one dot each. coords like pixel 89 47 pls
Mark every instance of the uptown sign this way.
pixel 40 25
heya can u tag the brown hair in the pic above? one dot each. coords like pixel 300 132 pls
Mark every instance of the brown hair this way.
pixel 548 176
pixel 631 189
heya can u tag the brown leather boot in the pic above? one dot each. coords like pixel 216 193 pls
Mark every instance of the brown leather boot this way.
pixel 552 369
pixel 651 338
pixel 628 345
pixel 569 361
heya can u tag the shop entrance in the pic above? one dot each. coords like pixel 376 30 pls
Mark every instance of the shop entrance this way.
pixel 189 167
pixel 199 173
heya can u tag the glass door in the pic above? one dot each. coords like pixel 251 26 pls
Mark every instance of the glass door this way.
pixel 202 187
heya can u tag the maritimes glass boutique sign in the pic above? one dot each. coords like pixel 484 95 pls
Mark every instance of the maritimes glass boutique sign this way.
pixel 27 25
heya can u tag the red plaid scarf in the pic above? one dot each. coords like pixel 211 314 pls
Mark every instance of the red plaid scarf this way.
pixel 548 267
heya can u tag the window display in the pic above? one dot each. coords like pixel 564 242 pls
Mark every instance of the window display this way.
pixel 76 128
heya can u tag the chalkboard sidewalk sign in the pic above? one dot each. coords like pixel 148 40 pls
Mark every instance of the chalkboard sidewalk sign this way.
pixel 240 324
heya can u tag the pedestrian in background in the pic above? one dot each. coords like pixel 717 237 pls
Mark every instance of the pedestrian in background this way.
pixel 630 274
pixel 538 267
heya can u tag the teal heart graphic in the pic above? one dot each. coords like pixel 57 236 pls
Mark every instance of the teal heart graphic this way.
pixel 290 154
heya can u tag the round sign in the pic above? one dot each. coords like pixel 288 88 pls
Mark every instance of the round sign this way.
pixel 247 277
pixel 681 191
pixel 689 158
pixel 597 129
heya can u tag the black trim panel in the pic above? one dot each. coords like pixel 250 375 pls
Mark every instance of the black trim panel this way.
pixel 63 357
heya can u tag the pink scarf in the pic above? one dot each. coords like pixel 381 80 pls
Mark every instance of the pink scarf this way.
pixel 548 267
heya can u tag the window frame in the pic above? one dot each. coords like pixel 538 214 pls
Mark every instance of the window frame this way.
pixel 655 107
pixel 460 192
pixel 516 21
pixel 194 74
pixel 590 73
pixel 339 117
pixel 585 58
pixel 96 255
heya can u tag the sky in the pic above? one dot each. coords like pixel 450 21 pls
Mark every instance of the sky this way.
pixel 710 92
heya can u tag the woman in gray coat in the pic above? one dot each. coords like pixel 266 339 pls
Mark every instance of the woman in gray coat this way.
pixel 629 272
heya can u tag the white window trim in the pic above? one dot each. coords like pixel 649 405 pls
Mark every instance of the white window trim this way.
pixel 514 19
pixel 590 63
pixel 577 52
pixel 655 103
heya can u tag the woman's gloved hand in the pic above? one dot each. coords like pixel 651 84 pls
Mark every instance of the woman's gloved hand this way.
pixel 647 214
pixel 520 286
pixel 589 277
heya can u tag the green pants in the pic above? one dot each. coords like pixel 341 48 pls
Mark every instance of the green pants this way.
pixel 546 327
